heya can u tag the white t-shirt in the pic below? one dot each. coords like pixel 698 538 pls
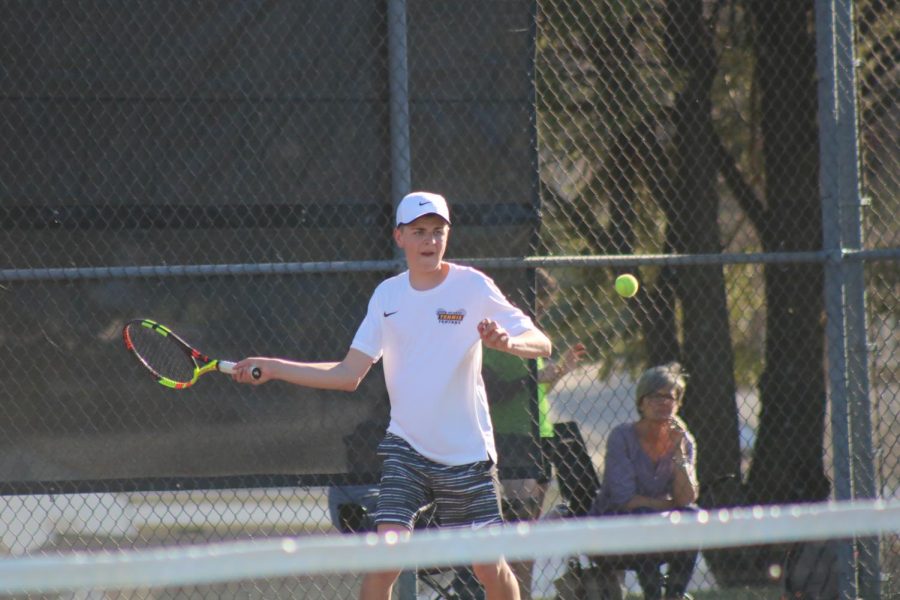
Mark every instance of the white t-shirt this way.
pixel 432 360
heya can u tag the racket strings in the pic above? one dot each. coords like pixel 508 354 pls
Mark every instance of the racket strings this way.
pixel 161 353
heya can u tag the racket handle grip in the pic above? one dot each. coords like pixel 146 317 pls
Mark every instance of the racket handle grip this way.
pixel 227 367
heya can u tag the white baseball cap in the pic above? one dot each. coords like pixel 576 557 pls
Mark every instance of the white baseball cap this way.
pixel 418 204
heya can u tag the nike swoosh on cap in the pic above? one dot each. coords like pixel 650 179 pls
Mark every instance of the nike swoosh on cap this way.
pixel 424 203
pixel 387 314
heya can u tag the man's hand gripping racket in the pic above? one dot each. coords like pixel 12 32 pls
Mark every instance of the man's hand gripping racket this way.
pixel 173 362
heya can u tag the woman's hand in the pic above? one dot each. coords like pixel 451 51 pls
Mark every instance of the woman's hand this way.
pixel 684 487
pixel 678 439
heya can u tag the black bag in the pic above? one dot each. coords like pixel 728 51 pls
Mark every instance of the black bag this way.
pixel 575 471
pixel 810 571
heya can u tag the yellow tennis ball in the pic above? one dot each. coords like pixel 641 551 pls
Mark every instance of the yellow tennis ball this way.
pixel 627 285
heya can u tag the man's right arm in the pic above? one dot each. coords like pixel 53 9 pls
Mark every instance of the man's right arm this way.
pixel 345 375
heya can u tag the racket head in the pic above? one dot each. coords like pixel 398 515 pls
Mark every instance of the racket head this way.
pixel 170 360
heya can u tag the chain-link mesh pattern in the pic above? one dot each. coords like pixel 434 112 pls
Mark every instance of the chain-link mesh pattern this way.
pixel 879 84
pixel 269 137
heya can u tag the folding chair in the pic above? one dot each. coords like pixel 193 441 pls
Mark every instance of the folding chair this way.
pixel 579 484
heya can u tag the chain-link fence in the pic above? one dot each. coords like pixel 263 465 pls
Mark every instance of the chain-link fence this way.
pixel 229 169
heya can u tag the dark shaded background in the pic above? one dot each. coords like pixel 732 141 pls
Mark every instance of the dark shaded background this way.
pixel 168 133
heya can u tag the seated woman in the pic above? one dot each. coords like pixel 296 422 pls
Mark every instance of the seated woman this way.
pixel 650 468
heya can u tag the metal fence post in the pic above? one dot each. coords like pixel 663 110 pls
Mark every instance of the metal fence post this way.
pixel 850 203
pixel 844 282
pixel 398 86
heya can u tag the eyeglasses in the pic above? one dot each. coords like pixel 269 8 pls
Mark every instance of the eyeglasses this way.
pixel 661 398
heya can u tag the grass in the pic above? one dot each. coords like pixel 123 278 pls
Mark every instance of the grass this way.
pixel 767 593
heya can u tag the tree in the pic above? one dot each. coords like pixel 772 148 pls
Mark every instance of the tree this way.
pixel 637 87
pixel 788 456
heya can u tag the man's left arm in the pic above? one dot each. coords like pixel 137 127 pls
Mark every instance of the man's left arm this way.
pixel 532 343
pixel 528 342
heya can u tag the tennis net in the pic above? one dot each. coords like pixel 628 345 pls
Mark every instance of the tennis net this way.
pixel 570 541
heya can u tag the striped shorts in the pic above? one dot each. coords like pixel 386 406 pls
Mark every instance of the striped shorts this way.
pixel 463 495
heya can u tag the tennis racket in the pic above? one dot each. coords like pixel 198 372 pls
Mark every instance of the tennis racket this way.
pixel 172 361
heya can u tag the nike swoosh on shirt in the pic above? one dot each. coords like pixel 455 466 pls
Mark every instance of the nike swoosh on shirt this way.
pixel 387 314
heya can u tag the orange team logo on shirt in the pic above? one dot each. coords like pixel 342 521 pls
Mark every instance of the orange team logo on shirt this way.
pixel 452 317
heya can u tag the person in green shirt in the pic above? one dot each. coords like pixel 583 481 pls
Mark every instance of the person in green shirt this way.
pixel 510 386
pixel 510 391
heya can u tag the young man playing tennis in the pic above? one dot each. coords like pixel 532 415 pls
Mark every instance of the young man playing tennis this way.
pixel 429 324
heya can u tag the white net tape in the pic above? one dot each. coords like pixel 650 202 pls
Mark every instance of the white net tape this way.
pixel 321 554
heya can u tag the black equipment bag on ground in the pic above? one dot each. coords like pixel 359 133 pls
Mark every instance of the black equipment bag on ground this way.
pixel 575 471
